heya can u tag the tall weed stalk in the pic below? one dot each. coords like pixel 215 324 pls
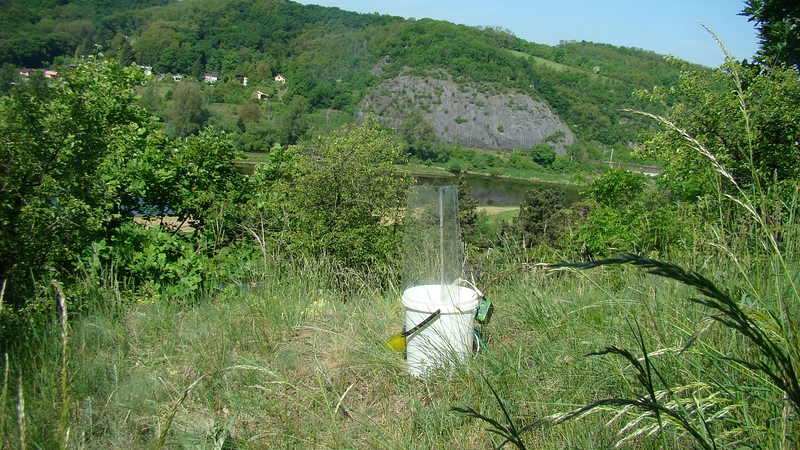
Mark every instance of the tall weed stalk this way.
pixel 3 400
pixel 5 377
pixel 64 424
pixel 21 420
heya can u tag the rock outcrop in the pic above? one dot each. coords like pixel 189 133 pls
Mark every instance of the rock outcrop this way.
pixel 508 120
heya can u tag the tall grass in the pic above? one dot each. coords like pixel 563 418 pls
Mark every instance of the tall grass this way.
pixel 297 360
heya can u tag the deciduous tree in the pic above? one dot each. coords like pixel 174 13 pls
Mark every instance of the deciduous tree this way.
pixel 349 193
pixel 186 111
pixel 59 187
pixel 778 24
pixel 746 116
pixel 535 213
pixel 543 154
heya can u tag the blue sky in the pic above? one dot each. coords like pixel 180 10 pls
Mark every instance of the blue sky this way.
pixel 666 27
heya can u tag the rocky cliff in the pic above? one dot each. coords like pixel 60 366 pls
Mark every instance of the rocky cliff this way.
pixel 508 120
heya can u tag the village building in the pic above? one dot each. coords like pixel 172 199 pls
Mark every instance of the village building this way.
pixel 211 78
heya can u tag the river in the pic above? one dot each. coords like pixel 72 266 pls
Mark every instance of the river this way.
pixel 488 190
pixel 499 191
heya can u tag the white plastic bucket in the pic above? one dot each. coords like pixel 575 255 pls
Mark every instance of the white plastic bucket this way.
pixel 446 341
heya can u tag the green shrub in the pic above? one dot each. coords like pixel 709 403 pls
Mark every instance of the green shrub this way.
pixel 543 154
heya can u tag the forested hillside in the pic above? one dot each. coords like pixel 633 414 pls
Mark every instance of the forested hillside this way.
pixel 332 60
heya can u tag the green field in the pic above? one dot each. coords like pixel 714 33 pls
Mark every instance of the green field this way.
pixel 495 214
pixel 545 62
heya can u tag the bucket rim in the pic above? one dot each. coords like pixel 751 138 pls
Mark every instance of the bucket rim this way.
pixel 421 298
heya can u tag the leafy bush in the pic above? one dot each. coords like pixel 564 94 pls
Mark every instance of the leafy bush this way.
pixel 345 195
pixel 62 160
pixel 543 154
pixel 616 188
pixel 745 116
pixel 152 258
pixel 535 214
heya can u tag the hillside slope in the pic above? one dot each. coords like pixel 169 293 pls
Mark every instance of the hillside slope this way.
pixel 506 92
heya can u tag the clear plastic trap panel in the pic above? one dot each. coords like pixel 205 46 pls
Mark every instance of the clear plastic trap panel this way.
pixel 432 250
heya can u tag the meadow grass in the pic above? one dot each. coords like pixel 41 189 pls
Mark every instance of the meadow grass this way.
pixel 295 358
pixel 293 361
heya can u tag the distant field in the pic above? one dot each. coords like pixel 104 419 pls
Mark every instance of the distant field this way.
pixel 256 157
pixel 546 62
pixel 497 214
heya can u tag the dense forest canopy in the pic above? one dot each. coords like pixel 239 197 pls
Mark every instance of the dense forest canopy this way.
pixel 330 55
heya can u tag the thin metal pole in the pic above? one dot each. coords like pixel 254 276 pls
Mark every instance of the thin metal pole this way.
pixel 441 236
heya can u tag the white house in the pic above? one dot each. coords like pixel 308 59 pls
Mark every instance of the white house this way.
pixel 280 79
pixel 211 78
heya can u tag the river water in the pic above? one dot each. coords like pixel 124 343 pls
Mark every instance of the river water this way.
pixel 497 191
pixel 488 190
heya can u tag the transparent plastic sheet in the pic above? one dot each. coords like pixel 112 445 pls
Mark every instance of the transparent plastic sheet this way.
pixel 432 250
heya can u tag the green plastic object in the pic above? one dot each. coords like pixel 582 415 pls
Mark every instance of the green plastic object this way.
pixel 484 312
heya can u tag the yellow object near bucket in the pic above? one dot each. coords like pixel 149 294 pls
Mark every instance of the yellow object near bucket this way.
pixel 398 341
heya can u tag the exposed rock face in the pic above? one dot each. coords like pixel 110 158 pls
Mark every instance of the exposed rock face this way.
pixel 499 121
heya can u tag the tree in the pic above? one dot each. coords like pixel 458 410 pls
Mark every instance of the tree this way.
pixel 250 112
pixel 79 162
pixel 155 39
pixel 778 24
pixel 121 50
pixel 295 124
pixel 203 183
pixel 616 188
pixel 8 77
pixel 348 195
pixel 420 138
pixel 185 111
pixel 150 100
pixel 467 212
pixel 543 154
pixel 744 115
pixel 59 160
pixel 535 213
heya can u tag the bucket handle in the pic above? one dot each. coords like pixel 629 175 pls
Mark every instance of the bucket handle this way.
pixel 475 288
pixel 422 324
